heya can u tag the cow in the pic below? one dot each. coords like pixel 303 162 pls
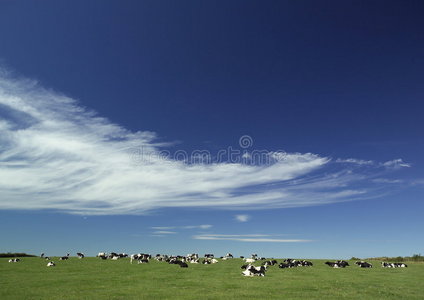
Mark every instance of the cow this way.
pixel 343 263
pixel 363 264
pixel 182 264
pixel 249 260
pixel 337 264
pixel 209 255
pixel 393 265
pixel 14 260
pixel 80 255
pixel 51 264
pixel 254 271
pixel 143 261
pixel 287 265
pixel 139 256
pixel 64 257
pixel 269 262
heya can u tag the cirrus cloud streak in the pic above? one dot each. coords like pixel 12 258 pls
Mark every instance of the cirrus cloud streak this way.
pixel 55 154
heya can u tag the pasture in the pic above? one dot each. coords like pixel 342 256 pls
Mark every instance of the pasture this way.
pixel 93 278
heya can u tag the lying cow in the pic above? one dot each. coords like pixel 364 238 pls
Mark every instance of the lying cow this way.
pixel 51 264
pixel 393 265
pixel 337 264
pixel 363 264
pixel 254 271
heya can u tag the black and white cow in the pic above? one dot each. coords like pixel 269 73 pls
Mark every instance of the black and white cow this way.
pixel 337 264
pixel 51 264
pixel 363 264
pixel 227 256
pixel 80 255
pixel 250 260
pixel 64 257
pixel 14 260
pixel 393 265
pixel 209 255
pixel 140 256
pixel 343 263
pixel 269 263
pixel 251 270
pixel 143 261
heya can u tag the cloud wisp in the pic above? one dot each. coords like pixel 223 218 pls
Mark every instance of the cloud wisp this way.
pixel 258 238
pixel 242 218
pixel 57 155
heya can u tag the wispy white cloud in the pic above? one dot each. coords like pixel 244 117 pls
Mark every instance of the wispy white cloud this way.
pixel 242 218
pixel 55 154
pixel 161 232
pixel 247 238
pixel 386 180
pixel 203 226
pixel 355 161
pixel 396 164
pixel 162 227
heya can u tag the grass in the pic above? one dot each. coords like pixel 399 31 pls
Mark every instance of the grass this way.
pixel 93 278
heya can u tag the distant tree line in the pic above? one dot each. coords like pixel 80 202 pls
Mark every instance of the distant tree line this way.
pixel 414 257
pixel 16 254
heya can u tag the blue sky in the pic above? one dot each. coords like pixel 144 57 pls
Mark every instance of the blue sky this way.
pixel 308 116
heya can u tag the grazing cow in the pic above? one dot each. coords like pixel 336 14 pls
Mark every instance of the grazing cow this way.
pixel 363 264
pixel 80 255
pixel 14 260
pixel 51 264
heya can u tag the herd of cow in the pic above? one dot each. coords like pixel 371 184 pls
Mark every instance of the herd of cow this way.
pixel 249 268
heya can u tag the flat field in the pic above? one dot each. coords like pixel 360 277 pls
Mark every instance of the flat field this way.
pixel 93 278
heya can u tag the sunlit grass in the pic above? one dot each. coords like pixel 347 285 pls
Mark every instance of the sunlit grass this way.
pixel 93 278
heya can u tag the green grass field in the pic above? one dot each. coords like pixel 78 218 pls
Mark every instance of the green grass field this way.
pixel 93 278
